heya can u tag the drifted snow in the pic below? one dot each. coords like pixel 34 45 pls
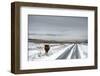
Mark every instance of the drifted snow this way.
pixel 37 52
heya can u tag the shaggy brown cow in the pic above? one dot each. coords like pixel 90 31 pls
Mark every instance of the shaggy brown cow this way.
pixel 46 48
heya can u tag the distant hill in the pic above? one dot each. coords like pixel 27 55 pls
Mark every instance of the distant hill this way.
pixel 54 41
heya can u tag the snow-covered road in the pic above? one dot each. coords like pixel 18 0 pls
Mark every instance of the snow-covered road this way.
pixel 58 51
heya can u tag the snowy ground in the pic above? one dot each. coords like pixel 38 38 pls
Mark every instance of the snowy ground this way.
pixel 57 51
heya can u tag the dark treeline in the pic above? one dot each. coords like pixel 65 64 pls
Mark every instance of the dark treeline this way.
pixel 53 41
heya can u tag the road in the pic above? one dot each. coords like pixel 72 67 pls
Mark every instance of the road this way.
pixel 75 54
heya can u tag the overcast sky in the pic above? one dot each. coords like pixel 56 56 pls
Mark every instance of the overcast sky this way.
pixel 65 27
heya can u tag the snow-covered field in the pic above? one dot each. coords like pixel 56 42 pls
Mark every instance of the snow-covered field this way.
pixel 57 51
